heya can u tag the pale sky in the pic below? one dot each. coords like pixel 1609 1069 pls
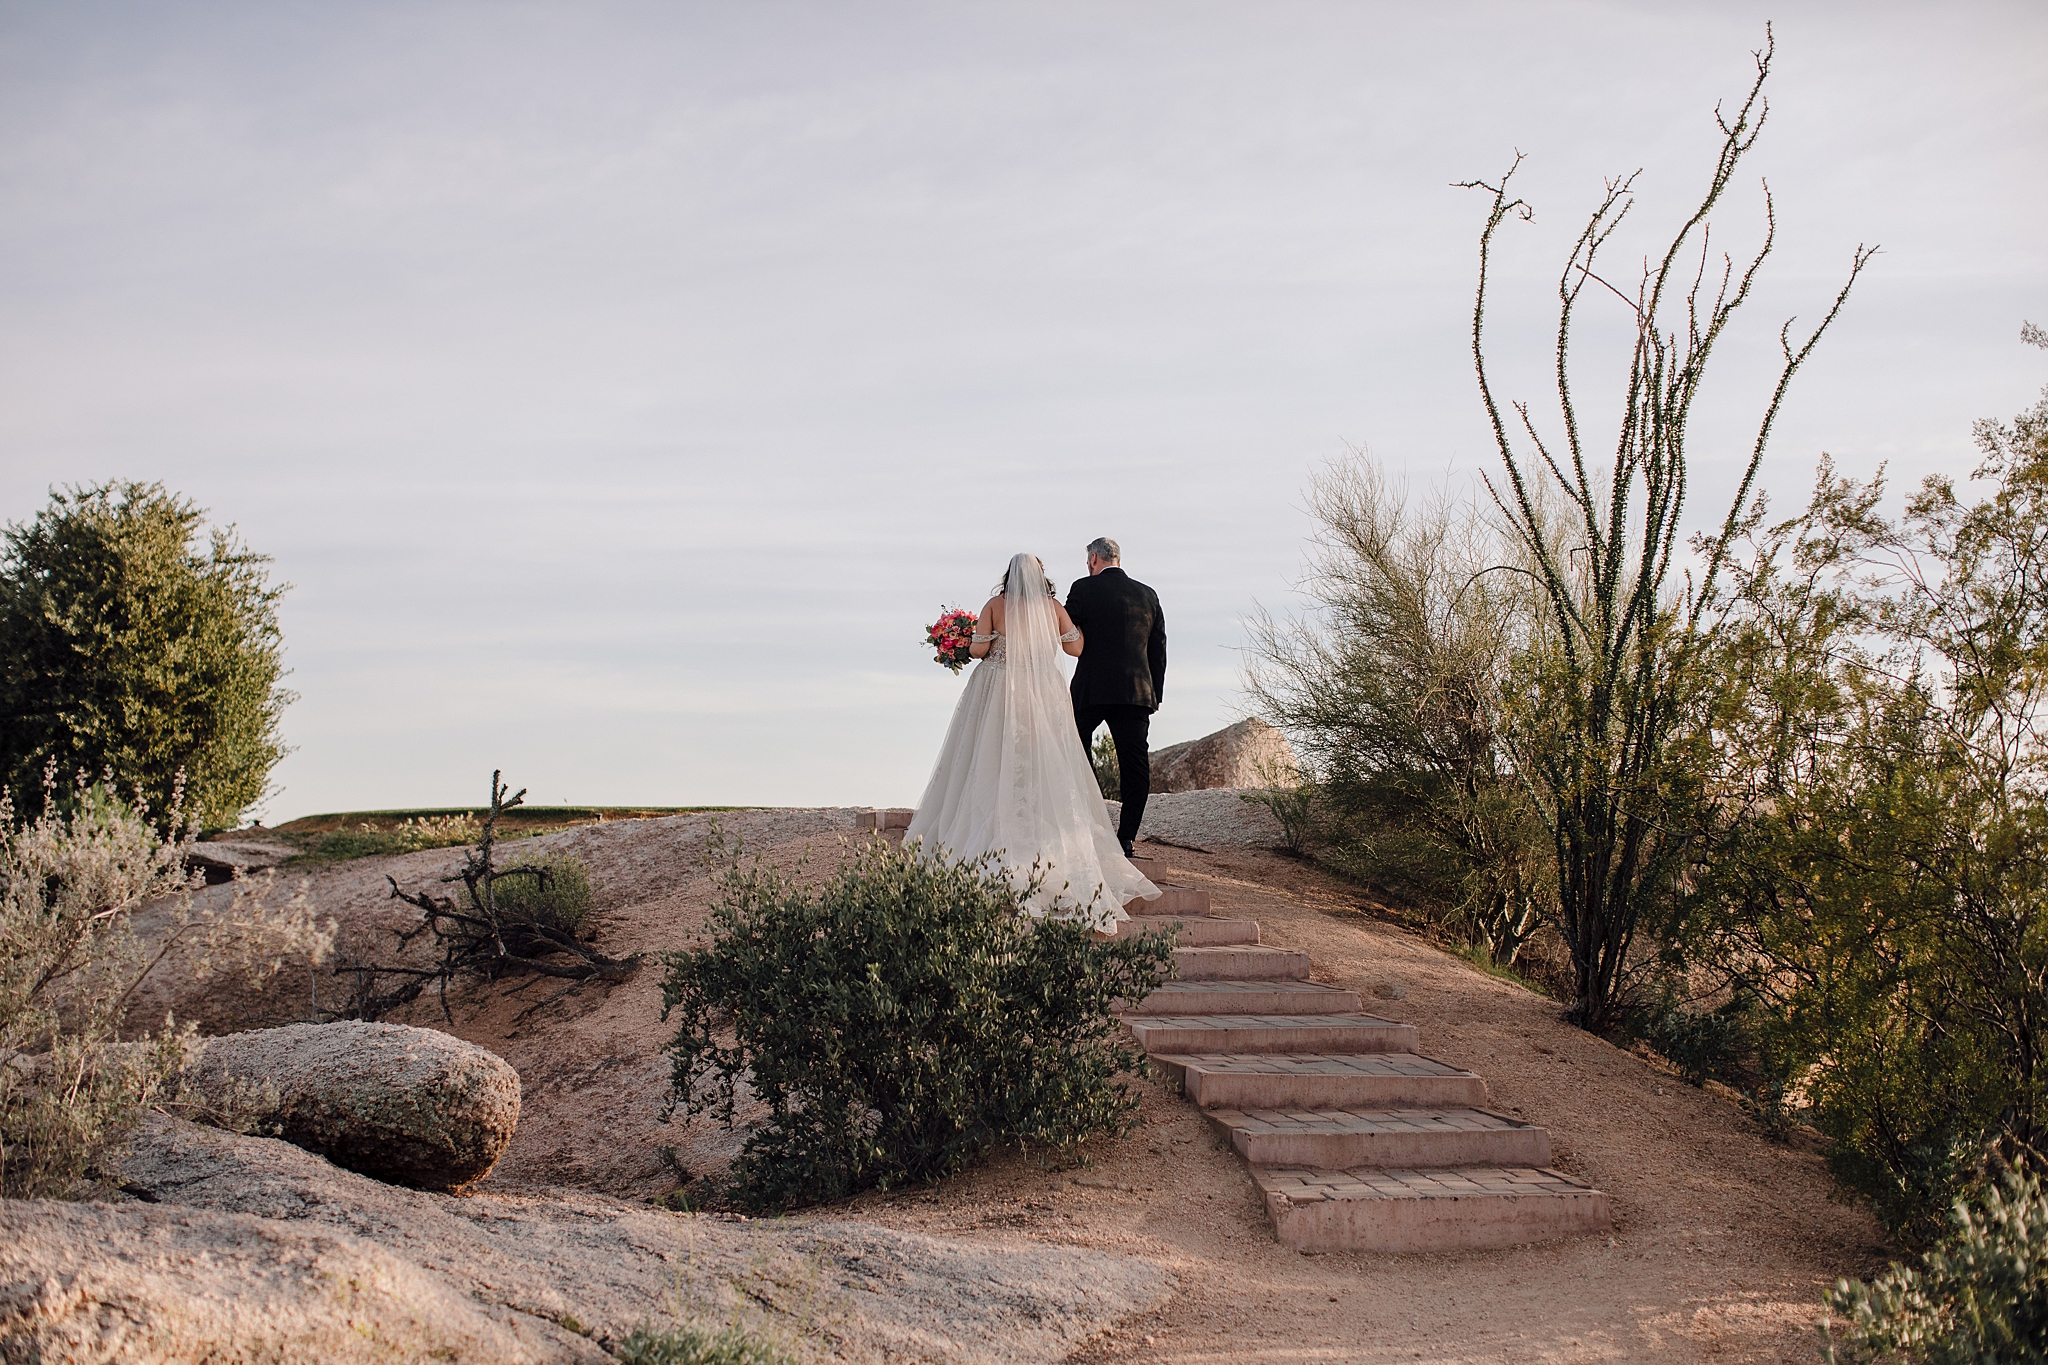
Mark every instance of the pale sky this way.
pixel 622 387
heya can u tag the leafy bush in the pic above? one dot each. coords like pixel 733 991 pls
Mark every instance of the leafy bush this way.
pixel 898 1022
pixel 1980 1296
pixel 124 647
pixel 690 1344
pixel 1394 685
pixel 1874 874
pixel 71 1092
pixel 1108 776
pixel 1703 1046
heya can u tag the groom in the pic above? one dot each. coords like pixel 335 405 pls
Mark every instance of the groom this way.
pixel 1122 673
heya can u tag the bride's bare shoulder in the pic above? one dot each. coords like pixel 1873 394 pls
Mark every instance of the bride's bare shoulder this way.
pixel 992 610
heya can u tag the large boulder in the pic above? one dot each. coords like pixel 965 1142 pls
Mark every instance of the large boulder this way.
pixel 405 1105
pixel 144 1284
pixel 253 1250
pixel 1250 753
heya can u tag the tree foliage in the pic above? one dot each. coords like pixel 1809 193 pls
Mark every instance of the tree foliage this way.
pixel 1878 876
pixel 126 646
pixel 898 1022
pixel 1393 686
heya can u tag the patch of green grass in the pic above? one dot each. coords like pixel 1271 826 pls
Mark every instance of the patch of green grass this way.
pixel 1482 959
pixel 549 816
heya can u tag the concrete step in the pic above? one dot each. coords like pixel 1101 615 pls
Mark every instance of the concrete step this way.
pixel 1179 998
pixel 1239 962
pixel 883 818
pixel 1266 1033
pixel 1191 931
pixel 1407 1210
pixel 1390 1079
pixel 1340 1139
pixel 1172 900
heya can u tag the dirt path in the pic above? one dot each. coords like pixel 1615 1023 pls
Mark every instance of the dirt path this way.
pixel 1723 1245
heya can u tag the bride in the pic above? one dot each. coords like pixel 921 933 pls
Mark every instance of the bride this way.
pixel 1012 778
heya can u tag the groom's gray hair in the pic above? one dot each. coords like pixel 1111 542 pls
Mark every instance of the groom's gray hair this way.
pixel 1104 549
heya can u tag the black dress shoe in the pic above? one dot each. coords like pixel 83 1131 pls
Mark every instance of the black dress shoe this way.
pixel 1129 850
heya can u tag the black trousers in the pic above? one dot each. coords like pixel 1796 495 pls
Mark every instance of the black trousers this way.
pixel 1130 729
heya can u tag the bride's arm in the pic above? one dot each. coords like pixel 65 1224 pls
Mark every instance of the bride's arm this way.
pixel 986 628
pixel 1070 634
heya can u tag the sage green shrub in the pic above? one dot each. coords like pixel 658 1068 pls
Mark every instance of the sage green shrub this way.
pixel 1981 1296
pixel 898 1022
pixel 690 1344
pixel 558 899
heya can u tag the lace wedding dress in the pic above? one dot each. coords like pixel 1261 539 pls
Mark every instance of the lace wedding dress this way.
pixel 1012 778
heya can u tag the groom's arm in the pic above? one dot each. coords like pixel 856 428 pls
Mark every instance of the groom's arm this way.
pixel 1155 651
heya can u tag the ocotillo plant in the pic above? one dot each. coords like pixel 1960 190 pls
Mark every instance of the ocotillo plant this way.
pixel 1599 750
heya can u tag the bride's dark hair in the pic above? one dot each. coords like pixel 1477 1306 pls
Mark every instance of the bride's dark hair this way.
pixel 1003 588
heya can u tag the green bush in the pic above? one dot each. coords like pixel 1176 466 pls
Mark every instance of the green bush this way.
pixel 898 1022
pixel 411 835
pixel 1108 777
pixel 1981 1296
pixel 693 1345
pixel 559 898
pixel 123 646
pixel 1703 1046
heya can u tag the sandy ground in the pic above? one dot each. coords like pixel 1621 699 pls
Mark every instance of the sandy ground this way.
pixel 1723 1245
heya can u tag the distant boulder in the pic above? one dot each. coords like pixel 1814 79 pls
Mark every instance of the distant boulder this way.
pixel 409 1106
pixel 1250 754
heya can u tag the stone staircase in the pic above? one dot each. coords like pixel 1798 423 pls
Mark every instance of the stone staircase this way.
pixel 1357 1141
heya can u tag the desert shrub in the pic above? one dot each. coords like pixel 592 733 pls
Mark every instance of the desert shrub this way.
pixel 1874 875
pixel 899 1021
pixel 558 898
pixel 127 646
pixel 690 1344
pixel 518 920
pixel 1979 1296
pixel 1392 685
pixel 1705 1045
pixel 1108 776
pixel 71 1091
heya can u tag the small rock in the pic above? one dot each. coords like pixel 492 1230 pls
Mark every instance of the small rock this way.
pixel 1390 990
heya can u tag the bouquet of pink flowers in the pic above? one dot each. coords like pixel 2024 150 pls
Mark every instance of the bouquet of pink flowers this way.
pixel 949 636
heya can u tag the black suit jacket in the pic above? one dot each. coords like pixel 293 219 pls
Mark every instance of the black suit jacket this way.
pixel 1123 650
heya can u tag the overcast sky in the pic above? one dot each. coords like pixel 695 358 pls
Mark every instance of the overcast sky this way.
pixel 622 387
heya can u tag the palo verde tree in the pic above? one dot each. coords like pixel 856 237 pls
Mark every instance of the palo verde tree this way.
pixel 1599 741
pixel 128 644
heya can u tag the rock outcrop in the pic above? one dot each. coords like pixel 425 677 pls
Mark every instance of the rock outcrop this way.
pixel 256 1250
pixel 1250 753
pixel 407 1105
pixel 221 859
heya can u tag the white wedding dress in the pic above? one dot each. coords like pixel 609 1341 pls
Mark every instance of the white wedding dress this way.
pixel 1012 778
